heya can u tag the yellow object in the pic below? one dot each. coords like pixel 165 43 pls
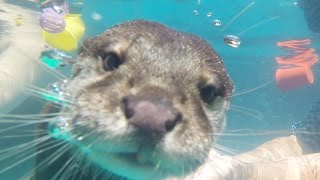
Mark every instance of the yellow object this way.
pixel 19 21
pixel 69 38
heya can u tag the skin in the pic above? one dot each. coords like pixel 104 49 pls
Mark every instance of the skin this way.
pixel 280 158
pixel 18 61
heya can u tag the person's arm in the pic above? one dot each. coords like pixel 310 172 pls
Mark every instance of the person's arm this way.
pixel 279 158
pixel 19 52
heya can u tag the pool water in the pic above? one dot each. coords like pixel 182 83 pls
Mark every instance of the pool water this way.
pixel 260 109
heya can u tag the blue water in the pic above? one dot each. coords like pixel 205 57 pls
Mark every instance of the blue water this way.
pixel 250 65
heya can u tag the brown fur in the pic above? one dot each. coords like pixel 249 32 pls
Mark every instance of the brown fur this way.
pixel 157 62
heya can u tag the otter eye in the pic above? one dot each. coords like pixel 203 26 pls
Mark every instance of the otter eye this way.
pixel 208 93
pixel 111 61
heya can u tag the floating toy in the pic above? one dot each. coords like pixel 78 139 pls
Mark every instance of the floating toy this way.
pixel 294 77
pixel 51 21
pixel 60 29
pixel 68 39
pixel 295 70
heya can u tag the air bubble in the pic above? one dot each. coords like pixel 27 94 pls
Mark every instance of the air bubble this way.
pixel 57 9
pixel 96 16
pixel 216 22
pixel 57 127
pixel 209 14
pixel 58 88
pixel 80 138
pixel 195 12
pixel 232 41
pixel 56 92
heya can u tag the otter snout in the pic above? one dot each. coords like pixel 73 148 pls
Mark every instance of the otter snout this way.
pixel 152 115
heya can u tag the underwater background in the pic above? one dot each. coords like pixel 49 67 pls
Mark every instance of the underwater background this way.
pixel 260 109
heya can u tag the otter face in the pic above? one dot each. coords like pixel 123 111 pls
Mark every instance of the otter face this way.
pixel 148 100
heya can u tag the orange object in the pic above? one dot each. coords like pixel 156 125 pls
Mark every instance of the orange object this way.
pixel 308 57
pixel 296 69
pixel 294 77
pixel 294 44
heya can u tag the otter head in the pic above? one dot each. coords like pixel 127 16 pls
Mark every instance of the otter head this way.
pixel 148 100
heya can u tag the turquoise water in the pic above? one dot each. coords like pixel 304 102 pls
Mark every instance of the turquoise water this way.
pixel 260 26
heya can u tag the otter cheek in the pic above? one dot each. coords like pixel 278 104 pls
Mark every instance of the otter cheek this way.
pixel 183 150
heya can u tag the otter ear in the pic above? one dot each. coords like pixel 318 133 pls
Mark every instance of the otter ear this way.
pixel 86 45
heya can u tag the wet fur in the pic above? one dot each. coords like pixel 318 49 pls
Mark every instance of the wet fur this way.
pixel 158 61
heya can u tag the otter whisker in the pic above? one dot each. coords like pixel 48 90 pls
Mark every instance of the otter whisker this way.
pixel 17 126
pixel 22 122
pixel 225 150
pixel 28 123
pixel 29 146
pixel 53 157
pixel 233 141
pixel 45 163
pixel 19 121
pixel 30 116
pixel 25 145
pixel 78 163
pixel 249 114
pixel 21 136
pixel 245 108
pixel 258 24
pixel 57 99
pixel 157 166
pixel 254 89
pixel 35 131
pixel 99 172
pixel 251 132
pixel 66 164
pixel 237 16
pixel 27 158
pixel 45 91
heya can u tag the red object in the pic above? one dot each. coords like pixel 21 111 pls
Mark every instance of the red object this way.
pixel 295 70
pixel 291 78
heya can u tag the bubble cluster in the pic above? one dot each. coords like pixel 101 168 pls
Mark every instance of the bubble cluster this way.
pixel 56 92
pixel 57 127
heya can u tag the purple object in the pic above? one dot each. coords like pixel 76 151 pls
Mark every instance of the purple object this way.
pixel 52 18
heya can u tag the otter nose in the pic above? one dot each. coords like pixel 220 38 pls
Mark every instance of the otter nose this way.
pixel 150 115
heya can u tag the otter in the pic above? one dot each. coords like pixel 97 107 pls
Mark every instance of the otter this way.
pixel 147 102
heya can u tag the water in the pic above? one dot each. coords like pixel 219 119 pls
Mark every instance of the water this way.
pixel 259 103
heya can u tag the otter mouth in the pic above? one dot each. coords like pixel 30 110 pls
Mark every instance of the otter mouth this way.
pixel 128 165
pixel 132 158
